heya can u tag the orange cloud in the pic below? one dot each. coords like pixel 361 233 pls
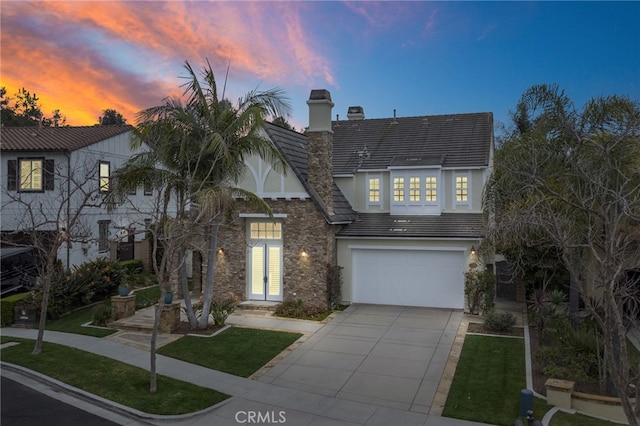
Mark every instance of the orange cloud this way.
pixel 83 57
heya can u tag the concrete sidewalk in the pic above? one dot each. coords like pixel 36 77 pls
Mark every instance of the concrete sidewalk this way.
pixel 249 397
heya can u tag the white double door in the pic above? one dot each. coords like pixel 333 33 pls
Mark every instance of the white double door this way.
pixel 266 272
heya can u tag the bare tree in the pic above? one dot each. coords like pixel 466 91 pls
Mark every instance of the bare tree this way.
pixel 571 179
pixel 51 222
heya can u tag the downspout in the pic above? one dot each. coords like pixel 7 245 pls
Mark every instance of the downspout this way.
pixel 68 155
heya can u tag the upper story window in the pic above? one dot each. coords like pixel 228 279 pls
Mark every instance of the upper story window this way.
pixel 105 176
pixel 374 190
pixel 266 230
pixel 431 189
pixel 398 189
pixel 30 175
pixel 416 191
pixel 462 189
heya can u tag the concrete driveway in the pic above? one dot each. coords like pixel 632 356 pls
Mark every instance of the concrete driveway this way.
pixel 390 356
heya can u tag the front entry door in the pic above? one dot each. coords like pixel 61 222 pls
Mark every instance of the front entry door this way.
pixel 266 272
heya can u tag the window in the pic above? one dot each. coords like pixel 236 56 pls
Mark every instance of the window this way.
pixel 462 189
pixel 103 235
pixel 398 189
pixel 374 190
pixel 31 174
pixel 105 176
pixel 266 231
pixel 414 189
pixel 431 189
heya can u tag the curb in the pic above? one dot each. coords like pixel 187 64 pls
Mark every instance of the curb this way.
pixel 106 404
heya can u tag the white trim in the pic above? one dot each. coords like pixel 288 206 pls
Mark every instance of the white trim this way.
pixel 414 167
pixel 284 195
pixel 473 239
pixel 466 168
pixel 263 215
pixel 345 175
pixel 417 248
pixel 378 203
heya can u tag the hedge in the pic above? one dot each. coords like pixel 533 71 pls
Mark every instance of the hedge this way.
pixel 6 307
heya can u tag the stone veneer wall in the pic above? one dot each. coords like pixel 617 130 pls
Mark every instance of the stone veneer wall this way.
pixel 320 167
pixel 304 277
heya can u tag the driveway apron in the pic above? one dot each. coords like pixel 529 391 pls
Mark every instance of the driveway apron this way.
pixel 391 356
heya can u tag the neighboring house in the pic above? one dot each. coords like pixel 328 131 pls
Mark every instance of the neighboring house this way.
pixel 42 166
pixel 395 202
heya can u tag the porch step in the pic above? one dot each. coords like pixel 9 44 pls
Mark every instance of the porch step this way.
pixel 258 305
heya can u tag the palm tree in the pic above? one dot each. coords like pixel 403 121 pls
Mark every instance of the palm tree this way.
pixel 198 150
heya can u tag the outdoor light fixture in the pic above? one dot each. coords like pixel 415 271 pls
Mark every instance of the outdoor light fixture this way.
pixel 473 250
pixel 304 252
pixel 85 247
pixel 220 250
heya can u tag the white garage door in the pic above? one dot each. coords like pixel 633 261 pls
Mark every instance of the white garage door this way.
pixel 408 277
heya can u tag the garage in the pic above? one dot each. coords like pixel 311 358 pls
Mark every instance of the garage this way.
pixel 408 277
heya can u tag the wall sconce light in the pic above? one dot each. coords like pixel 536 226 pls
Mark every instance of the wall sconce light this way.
pixel 473 250
pixel 304 253
pixel 220 251
pixel 85 247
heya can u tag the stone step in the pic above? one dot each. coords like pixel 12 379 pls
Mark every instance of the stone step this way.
pixel 258 305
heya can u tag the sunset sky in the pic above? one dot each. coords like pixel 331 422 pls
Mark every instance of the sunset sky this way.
pixel 416 57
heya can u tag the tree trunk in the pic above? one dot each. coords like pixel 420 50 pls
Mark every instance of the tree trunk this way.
pixel 193 321
pixel 210 276
pixel 46 289
pixel 153 383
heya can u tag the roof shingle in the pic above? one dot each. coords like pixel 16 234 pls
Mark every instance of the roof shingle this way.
pixel 56 138
pixel 456 140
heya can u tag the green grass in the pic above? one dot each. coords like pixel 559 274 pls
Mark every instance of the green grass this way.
pixel 488 380
pixel 238 351
pixel 487 384
pixel 111 379
pixel 147 296
pixel 565 419
pixel 72 323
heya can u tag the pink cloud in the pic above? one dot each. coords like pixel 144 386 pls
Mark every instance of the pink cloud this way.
pixel 82 57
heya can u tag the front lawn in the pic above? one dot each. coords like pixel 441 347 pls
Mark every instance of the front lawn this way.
pixel 110 379
pixel 486 387
pixel 238 351
pixel 488 380
pixel 72 323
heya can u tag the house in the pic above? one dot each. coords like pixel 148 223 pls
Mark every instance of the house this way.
pixel 395 202
pixel 44 168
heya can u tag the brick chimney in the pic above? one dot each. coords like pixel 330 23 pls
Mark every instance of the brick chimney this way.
pixel 320 149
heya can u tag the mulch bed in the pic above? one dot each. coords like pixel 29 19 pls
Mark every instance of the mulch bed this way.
pixel 184 329
pixel 479 328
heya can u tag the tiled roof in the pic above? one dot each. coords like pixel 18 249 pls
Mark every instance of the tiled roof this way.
pixel 456 140
pixel 447 225
pixel 293 147
pixel 56 138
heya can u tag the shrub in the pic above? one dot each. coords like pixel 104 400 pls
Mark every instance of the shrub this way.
pixel 101 315
pixel 133 266
pixel 90 282
pixel 334 285
pixel 499 321
pixel 8 303
pixel 298 309
pixel 221 308
pixel 477 286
